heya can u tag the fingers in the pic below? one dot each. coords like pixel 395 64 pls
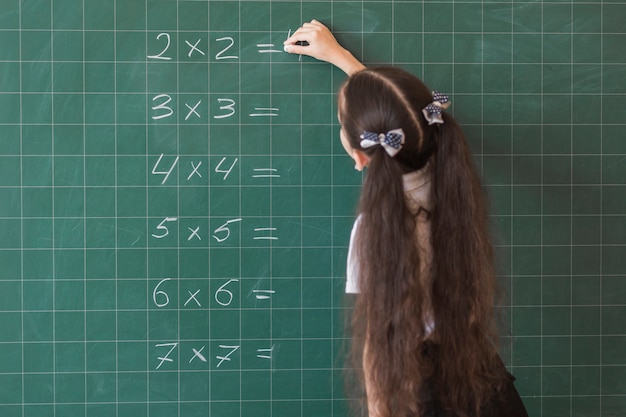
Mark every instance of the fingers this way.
pixel 311 27
pixel 314 23
pixel 317 41
pixel 301 35
pixel 309 32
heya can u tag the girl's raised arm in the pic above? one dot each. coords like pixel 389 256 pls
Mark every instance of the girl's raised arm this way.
pixel 322 45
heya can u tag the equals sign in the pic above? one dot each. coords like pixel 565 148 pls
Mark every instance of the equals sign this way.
pixel 265 111
pixel 261 173
pixel 263 294
pixel 267 48
pixel 264 353
pixel 265 229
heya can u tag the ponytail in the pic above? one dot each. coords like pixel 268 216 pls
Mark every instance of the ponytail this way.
pixel 391 303
pixel 463 287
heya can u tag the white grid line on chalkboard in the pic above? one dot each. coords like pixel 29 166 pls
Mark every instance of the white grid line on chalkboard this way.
pixel 115 109
pixel 602 181
pixel 270 272
pixel 510 278
pixel 239 92
pixel 54 321
pixel 541 258
pixel 301 199
pixel 85 215
pixel 210 382
pixel 571 206
pixel 23 384
pixel 178 322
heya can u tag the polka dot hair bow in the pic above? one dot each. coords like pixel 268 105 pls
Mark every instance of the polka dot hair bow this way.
pixel 391 141
pixel 432 112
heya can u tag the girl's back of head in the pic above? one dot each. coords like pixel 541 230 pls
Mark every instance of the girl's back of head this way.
pixel 383 99
pixel 395 300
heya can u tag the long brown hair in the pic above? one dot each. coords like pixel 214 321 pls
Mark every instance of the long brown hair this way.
pixel 396 303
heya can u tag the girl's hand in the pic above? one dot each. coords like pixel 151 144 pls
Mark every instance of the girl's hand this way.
pixel 322 45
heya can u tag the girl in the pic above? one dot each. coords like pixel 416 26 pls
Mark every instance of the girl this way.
pixel 420 255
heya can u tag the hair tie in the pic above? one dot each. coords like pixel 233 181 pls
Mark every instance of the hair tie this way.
pixel 432 112
pixel 391 141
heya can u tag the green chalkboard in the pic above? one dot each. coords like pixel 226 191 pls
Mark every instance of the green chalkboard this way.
pixel 175 205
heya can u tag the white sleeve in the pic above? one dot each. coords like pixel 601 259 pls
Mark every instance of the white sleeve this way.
pixel 352 268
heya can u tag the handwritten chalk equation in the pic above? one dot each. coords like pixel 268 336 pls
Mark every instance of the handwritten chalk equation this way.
pixel 165 165
pixel 223 356
pixel 196 47
pixel 194 298
pixel 164 105
pixel 225 46
pixel 220 234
